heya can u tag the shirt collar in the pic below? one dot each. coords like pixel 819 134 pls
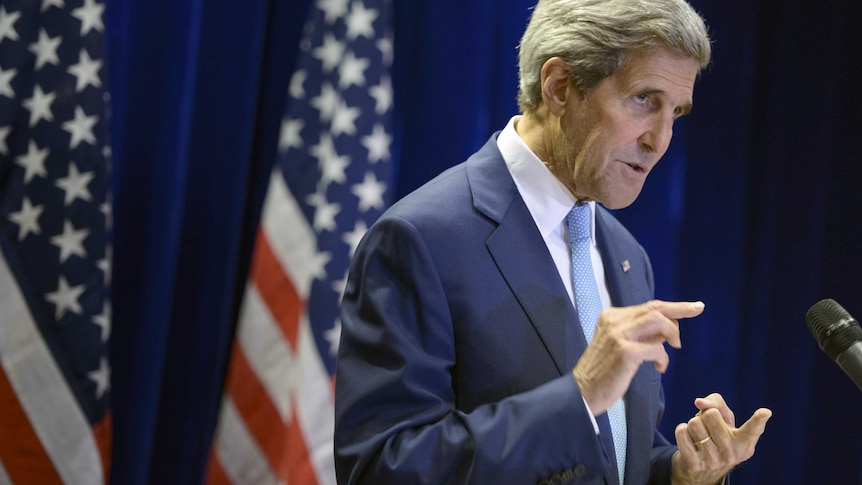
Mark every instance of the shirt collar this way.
pixel 547 199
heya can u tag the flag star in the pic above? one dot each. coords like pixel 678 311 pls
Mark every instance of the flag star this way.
pixel 75 185
pixel 333 9
pixel 326 101
pixel 352 71
pixel 104 264
pixel 45 49
pixel 7 21
pixel 333 336
pixel 382 94
pixel 360 20
pixel 33 162
pixel 86 71
pixel 377 143
pixel 6 82
pixel 385 46
pixel 316 198
pixel 71 242
pixel 330 52
pixel 27 219
pixel 324 212
pixel 81 128
pixel 46 4
pixel 103 320
pixel 105 209
pixel 338 287
pixel 40 106
pixel 317 265
pixel 332 166
pixel 90 16
pixel 353 237
pixel 290 134
pixel 65 299
pixel 4 133
pixel 324 217
pixel 370 192
pixel 102 377
pixel 344 119
pixel 296 89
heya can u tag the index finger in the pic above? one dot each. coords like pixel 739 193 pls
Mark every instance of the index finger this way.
pixel 716 401
pixel 677 309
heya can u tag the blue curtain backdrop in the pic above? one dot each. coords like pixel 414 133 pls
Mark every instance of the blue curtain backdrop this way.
pixel 755 209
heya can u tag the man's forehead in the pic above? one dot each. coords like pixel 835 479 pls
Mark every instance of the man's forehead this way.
pixel 660 72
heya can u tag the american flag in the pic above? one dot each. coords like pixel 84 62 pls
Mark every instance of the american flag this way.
pixel 330 184
pixel 55 264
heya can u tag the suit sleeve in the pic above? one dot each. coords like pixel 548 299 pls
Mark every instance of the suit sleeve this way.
pixel 397 419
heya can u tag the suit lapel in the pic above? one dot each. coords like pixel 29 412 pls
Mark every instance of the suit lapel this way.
pixel 521 256
pixel 617 261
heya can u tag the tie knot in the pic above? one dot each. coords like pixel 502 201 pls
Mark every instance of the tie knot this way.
pixel 579 222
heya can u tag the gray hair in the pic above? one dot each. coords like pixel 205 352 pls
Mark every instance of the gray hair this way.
pixel 593 36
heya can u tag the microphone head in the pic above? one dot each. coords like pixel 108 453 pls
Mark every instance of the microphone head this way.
pixel 832 327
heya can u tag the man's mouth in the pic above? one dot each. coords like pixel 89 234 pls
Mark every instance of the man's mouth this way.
pixel 636 167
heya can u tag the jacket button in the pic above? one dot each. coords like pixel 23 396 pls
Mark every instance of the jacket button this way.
pixel 579 470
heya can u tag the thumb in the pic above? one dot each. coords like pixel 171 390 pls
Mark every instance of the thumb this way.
pixel 755 426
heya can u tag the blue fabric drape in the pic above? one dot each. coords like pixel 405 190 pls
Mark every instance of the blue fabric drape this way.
pixel 753 210
pixel 195 83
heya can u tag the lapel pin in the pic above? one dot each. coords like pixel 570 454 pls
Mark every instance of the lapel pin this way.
pixel 626 266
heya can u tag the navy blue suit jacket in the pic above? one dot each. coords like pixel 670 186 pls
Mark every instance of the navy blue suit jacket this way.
pixel 458 342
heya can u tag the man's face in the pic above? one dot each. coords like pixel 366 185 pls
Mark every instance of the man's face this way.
pixel 610 140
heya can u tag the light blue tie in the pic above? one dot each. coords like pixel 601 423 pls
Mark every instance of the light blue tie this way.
pixel 589 306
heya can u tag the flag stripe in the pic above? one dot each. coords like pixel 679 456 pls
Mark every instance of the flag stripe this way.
pixel 296 466
pixel 4 477
pixel 42 390
pixel 250 402
pixel 103 431
pixel 268 353
pixel 237 452
pixel 286 379
pixel 288 233
pixel 276 288
pixel 215 474
pixel 19 445
pixel 293 242
pixel 314 405
pixel 269 373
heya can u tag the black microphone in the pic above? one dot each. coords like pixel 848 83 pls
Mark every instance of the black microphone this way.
pixel 839 335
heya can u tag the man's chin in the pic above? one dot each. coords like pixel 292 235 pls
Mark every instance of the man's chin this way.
pixel 618 201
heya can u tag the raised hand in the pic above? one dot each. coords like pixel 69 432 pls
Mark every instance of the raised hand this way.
pixel 625 338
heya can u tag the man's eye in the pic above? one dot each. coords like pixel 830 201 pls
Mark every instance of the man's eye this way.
pixel 642 98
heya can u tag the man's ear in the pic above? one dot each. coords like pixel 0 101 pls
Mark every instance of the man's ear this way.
pixel 556 85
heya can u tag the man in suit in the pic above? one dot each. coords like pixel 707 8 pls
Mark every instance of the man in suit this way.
pixel 473 350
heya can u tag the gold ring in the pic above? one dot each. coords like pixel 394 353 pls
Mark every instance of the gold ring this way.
pixel 698 443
